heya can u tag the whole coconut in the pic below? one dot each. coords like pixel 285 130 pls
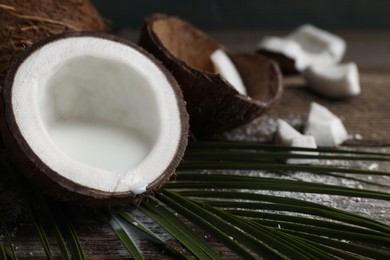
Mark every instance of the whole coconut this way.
pixel 24 22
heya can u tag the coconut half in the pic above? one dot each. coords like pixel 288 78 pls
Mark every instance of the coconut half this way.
pixel 92 118
pixel 213 103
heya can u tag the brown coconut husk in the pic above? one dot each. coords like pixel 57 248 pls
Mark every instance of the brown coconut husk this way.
pixel 213 104
pixel 24 22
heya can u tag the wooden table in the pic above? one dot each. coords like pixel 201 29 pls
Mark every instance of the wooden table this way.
pixel 366 117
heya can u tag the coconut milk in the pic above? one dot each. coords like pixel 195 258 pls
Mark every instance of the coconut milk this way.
pixel 101 145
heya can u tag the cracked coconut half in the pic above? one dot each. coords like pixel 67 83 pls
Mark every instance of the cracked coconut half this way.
pixel 92 118
pixel 200 64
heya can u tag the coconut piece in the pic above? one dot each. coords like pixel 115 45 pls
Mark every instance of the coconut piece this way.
pixel 224 66
pixel 306 141
pixel 317 41
pixel 92 118
pixel 287 135
pixel 286 52
pixel 213 104
pixel 331 80
pixel 304 46
pixel 326 128
pixel 23 23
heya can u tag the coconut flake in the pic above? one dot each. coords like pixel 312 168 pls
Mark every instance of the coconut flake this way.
pixel 287 135
pixel 331 80
pixel 326 128
pixel 306 45
pixel 225 67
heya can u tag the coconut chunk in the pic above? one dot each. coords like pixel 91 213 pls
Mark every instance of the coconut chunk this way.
pixel 289 49
pixel 306 141
pixel 304 46
pixel 317 41
pixel 225 67
pixel 326 128
pixel 287 135
pixel 331 80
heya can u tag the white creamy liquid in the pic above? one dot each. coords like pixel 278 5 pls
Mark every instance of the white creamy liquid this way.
pixel 101 145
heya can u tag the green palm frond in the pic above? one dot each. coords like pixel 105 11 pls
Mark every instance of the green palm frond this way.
pixel 151 236
pixel 180 231
pixel 127 239
pixel 220 188
pixel 42 217
pixel 4 252
pixel 255 146
pixel 68 230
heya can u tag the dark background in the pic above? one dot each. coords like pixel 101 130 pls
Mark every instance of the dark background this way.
pixel 253 14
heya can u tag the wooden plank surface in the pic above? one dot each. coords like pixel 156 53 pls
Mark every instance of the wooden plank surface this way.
pixel 366 117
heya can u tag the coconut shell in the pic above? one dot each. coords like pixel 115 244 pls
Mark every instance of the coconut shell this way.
pixel 213 104
pixel 24 22
pixel 50 181
pixel 287 64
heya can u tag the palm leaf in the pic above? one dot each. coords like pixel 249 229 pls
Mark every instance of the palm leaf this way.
pixel 48 221
pixel 127 240
pixel 3 251
pixel 349 247
pixel 240 155
pixel 210 185
pixel 180 231
pixel 42 237
pixel 276 203
pixel 69 232
pixel 274 167
pixel 234 209
pixel 3 254
pixel 255 146
pixel 39 212
pixel 377 238
pixel 225 181
pixel 151 236
pixel 221 229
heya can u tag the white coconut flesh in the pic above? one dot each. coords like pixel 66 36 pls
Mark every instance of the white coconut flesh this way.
pixel 306 45
pixel 226 68
pixel 97 112
pixel 334 80
pixel 326 128
pixel 287 135
pixel 316 41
